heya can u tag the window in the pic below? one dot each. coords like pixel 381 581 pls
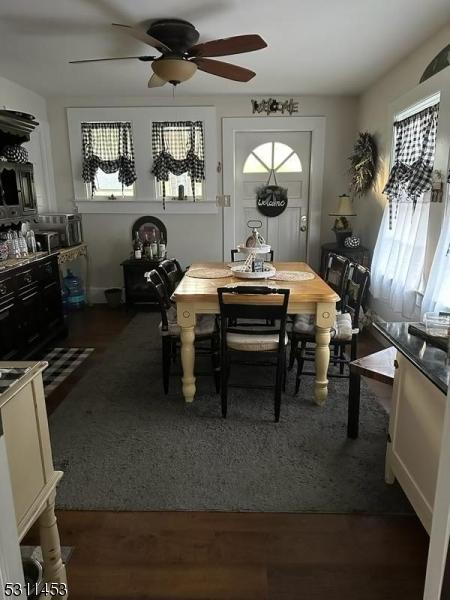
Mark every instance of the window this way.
pixel 400 251
pixel 178 158
pixel 108 158
pixel 272 156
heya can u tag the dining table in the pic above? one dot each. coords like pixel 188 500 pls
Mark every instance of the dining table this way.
pixel 196 294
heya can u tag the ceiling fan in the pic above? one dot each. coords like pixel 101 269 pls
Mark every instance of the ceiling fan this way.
pixel 181 55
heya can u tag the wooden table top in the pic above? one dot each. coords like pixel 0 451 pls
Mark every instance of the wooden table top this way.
pixel 379 366
pixel 192 289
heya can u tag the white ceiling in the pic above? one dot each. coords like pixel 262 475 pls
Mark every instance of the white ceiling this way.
pixel 314 46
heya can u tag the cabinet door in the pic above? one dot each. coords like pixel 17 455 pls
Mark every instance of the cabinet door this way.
pixel 30 317
pixel 10 189
pixel 9 332
pixel 52 313
pixel 28 190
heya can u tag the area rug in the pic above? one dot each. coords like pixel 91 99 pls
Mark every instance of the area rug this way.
pixel 124 445
pixel 62 362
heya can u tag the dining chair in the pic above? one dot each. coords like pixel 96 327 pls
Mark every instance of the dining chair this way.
pixel 234 251
pixel 205 330
pixel 345 331
pixel 241 302
pixel 336 274
pixel 171 273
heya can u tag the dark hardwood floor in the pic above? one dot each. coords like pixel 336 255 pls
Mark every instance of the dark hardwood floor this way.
pixel 224 556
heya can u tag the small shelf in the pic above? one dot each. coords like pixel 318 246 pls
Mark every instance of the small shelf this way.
pixel 138 207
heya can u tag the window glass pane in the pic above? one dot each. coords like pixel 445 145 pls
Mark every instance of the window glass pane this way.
pixel 264 153
pixel 281 152
pixel 292 165
pixel 253 165
pixel 108 184
pixel 177 180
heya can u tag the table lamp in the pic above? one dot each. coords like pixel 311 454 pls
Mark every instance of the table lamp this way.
pixel 342 228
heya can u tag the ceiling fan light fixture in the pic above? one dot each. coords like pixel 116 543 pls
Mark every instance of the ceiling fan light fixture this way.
pixel 174 70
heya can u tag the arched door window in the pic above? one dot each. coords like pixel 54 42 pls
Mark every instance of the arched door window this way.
pixel 275 156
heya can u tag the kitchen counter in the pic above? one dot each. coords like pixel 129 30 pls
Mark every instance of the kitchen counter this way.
pixel 12 263
pixel 429 360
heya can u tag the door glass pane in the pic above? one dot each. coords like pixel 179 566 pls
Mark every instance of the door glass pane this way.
pixel 281 152
pixel 292 165
pixel 264 153
pixel 253 165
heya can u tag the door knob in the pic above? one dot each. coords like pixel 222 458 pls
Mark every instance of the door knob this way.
pixel 304 223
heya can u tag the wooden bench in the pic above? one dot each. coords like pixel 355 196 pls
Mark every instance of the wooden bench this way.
pixel 379 366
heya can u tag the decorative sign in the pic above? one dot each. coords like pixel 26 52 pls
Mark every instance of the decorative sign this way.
pixel 272 105
pixel 271 200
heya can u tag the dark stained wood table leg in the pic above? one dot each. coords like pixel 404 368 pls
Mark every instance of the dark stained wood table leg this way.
pixel 353 405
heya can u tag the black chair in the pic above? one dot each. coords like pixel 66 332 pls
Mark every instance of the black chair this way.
pixel 171 273
pixel 235 251
pixel 248 337
pixel 205 330
pixel 346 328
pixel 336 274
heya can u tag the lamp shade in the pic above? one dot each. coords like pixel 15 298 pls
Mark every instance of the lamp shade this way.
pixel 174 69
pixel 345 207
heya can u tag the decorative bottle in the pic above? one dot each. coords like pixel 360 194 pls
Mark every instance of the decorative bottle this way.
pixel 137 246
pixel 162 248
pixel 147 248
pixel 154 246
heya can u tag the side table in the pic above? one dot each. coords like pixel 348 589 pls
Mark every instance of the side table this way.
pixel 360 255
pixel 137 290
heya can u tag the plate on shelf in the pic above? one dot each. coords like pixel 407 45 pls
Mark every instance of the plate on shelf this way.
pixel 263 249
pixel 238 271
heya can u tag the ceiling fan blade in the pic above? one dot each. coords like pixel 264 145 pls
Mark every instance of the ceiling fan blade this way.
pixel 224 69
pixel 156 81
pixel 141 35
pixel 227 46
pixel 89 60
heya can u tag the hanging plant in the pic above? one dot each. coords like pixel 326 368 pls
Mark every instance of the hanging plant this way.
pixel 363 164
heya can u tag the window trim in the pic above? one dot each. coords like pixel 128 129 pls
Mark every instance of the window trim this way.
pixel 145 186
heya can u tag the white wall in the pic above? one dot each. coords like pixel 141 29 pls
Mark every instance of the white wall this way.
pixel 374 117
pixel 16 97
pixel 191 237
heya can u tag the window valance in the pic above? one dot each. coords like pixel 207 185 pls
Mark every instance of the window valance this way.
pixel 178 147
pixel 411 172
pixel 108 146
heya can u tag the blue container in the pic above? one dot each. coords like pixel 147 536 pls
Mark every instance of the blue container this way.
pixel 76 298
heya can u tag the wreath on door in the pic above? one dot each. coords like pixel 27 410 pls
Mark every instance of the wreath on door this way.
pixel 271 200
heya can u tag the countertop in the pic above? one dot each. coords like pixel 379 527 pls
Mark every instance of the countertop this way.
pixel 430 361
pixel 12 263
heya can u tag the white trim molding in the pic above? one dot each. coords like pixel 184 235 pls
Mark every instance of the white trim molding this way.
pixel 141 119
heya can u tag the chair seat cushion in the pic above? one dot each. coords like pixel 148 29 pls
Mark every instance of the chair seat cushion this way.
pixel 205 324
pixel 341 331
pixel 260 342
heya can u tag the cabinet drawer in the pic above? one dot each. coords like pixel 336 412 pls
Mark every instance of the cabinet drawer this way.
pixel 25 279
pixel 47 271
pixel 6 288
pixel 14 212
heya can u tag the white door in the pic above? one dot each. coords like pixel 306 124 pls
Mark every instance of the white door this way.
pixel 279 149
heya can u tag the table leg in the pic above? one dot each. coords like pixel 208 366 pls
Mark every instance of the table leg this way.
pixel 325 317
pixel 186 320
pixel 353 405
pixel 87 279
pixel 54 569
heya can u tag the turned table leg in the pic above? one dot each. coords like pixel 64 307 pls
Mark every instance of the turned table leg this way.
pixel 325 317
pixel 186 320
pixel 54 569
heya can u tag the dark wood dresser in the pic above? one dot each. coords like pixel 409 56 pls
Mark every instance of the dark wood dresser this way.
pixel 31 311
pixel 359 255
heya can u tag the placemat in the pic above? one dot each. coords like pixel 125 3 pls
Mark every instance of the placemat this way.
pixel 292 276
pixel 207 273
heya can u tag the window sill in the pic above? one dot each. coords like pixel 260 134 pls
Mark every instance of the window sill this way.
pixel 125 206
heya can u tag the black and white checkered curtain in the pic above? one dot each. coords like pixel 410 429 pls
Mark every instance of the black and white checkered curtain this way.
pixel 109 147
pixel 178 147
pixel 415 142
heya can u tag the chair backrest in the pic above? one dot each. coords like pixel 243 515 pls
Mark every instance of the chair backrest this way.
pixel 234 307
pixel 235 251
pixel 171 273
pixel 355 291
pixel 336 273
pixel 159 289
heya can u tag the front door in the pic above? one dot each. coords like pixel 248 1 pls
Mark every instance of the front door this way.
pixel 262 154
